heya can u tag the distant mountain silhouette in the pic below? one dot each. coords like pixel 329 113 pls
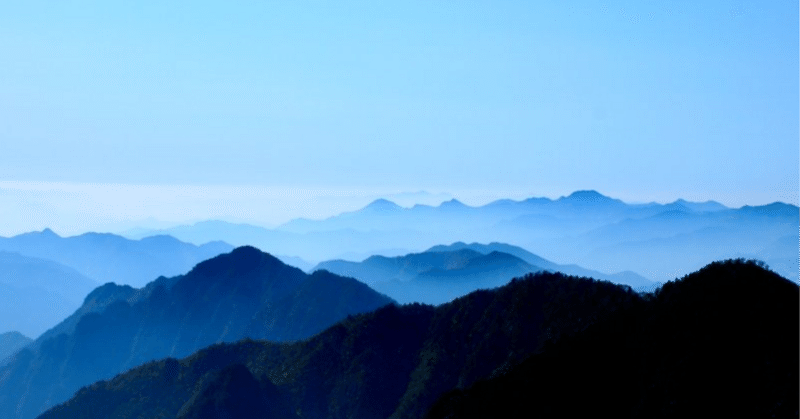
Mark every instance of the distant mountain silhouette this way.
pixel 442 273
pixel 631 279
pixel 223 299
pixel 543 346
pixel 36 294
pixel 433 277
pixel 106 257
pixel 660 242
pixel 10 343
pixel 690 350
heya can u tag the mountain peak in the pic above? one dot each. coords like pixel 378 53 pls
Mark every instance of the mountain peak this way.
pixel 49 233
pixel 382 205
pixel 588 196
pixel 453 203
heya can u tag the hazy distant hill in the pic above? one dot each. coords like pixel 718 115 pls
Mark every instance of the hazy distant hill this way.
pixel 433 277
pixel 36 294
pixel 112 258
pixel 631 279
pixel 442 273
pixel 657 241
pixel 242 293
pixel 10 343
pixel 549 345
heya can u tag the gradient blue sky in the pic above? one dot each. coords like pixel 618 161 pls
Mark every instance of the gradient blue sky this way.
pixel 639 100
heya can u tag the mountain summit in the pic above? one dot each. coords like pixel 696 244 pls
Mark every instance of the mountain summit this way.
pixel 244 293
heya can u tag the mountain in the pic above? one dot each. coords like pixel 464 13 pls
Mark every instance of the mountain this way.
pixel 689 350
pixel 432 277
pixel 545 346
pixel 244 293
pixel 11 343
pixel 110 258
pixel 660 242
pixel 442 273
pixel 631 279
pixel 393 362
pixel 36 294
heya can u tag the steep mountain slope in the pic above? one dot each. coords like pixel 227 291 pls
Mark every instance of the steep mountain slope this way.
pixel 110 258
pixel 394 362
pixel 242 293
pixel 721 342
pixel 36 294
pixel 546 345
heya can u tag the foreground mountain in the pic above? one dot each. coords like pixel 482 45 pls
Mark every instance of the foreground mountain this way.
pixel 111 258
pixel 245 293
pixel 11 343
pixel 433 277
pixel 547 345
pixel 36 294
pixel 721 342
pixel 394 362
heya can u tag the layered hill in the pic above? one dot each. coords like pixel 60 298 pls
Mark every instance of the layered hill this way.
pixel 245 293
pixel 36 294
pixel 395 360
pixel 658 241
pixel 628 278
pixel 547 345
pixel 442 273
pixel 433 277
pixel 106 257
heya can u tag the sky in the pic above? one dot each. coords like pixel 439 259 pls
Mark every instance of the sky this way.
pixel 114 113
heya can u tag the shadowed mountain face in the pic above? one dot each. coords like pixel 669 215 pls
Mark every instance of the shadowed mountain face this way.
pixel 722 342
pixel 110 258
pixel 599 233
pixel 36 294
pixel 546 345
pixel 242 293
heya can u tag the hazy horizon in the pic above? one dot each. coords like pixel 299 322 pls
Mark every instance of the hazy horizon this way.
pixel 113 114
pixel 75 208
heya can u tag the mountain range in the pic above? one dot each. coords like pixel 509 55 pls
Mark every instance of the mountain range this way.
pixel 442 273
pixel 660 242
pixel 244 293
pixel 105 257
pixel 546 345
pixel 36 294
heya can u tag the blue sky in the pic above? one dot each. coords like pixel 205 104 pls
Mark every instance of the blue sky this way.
pixel 639 100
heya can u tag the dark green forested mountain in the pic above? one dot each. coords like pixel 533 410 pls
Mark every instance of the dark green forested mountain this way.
pixel 394 362
pixel 242 293
pixel 722 340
